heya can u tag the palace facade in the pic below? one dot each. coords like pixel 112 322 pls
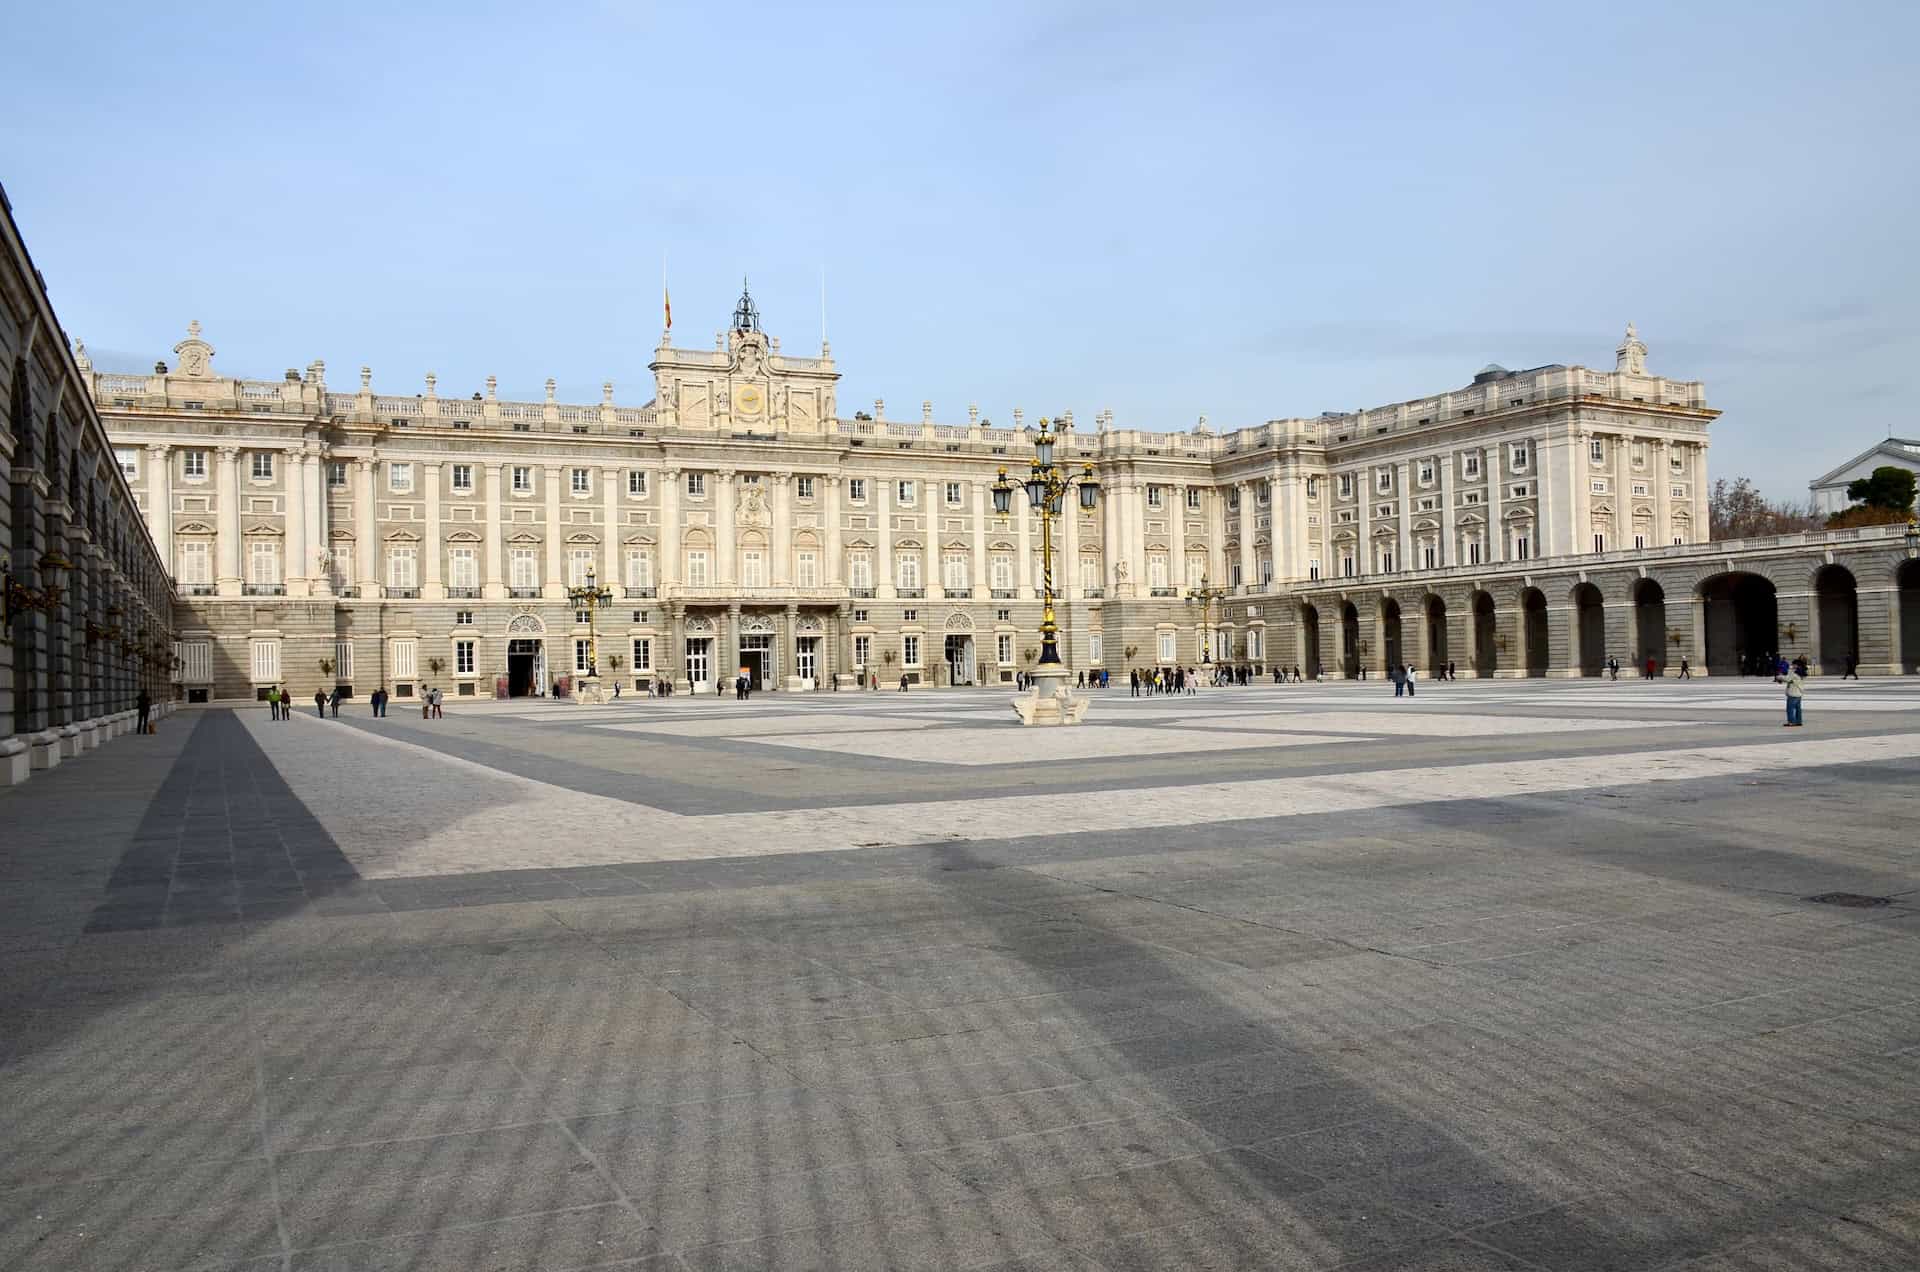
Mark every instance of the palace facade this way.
pixel 742 518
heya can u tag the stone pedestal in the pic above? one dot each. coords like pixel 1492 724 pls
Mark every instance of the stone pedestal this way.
pixel 1051 701
pixel 588 693
pixel 69 741
pixel 15 763
pixel 44 748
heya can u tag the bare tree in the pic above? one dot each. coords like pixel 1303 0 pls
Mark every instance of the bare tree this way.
pixel 1737 510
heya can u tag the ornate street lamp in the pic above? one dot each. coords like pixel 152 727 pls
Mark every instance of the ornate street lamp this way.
pixel 1205 596
pixel 1046 487
pixel 590 598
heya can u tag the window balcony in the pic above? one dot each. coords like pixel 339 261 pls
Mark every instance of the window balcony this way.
pixel 524 593
pixel 1163 591
pixel 913 593
pixel 403 593
pixel 346 591
pixel 199 589
pixel 463 593
pixel 640 593
pixel 1096 593
pixel 1004 594
pixel 860 593
pixel 263 589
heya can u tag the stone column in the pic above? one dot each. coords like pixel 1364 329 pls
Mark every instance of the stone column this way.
pixel 1334 637
pixel 160 501
pixel 1581 479
pixel 884 494
pixel 834 570
pixel 554 583
pixel 319 538
pixel 1403 552
pixel 1662 493
pixel 667 541
pixel 1216 537
pixel 930 553
pixel 1068 583
pixel 726 569
pixel 611 569
pixel 1249 569
pixel 1496 528
pixel 1137 539
pixel 1111 531
pixel 781 548
pixel 1177 539
pixel 978 578
pixel 1697 477
pixel 296 523
pixel 432 587
pixel 1623 500
pixel 494 586
pixel 366 530
pixel 1449 545
pixel 1363 547
pixel 1021 513
pixel 227 540
pixel 730 643
pixel 791 672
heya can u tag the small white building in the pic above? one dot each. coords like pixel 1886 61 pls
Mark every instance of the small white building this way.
pixel 1830 489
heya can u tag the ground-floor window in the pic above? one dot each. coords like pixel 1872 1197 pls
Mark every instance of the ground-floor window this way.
pixel 266 660
pixel 1096 646
pixel 343 660
pixel 405 659
pixel 862 650
pixel 1003 648
pixel 910 651
pixel 1167 647
pixel 463 657
pixel 582 655
pixel 642 654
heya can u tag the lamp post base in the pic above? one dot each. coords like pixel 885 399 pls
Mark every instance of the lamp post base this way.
pixel 587 692
pixel 1051 701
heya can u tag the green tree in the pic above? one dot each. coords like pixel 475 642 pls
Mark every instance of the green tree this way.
pixel 1889 487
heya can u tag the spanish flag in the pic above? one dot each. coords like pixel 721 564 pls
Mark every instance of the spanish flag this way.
pixel 666 299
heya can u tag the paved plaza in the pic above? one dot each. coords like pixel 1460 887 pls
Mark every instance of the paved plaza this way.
pixel 1512 975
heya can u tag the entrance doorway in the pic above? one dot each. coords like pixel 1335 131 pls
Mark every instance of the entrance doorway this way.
pixel 1390 631
pixel 1533 628
pixel 806 654
pixel 1837 597
pixel 700 663
pixel 756 655
pixel 526 667
pixel 1650 625
pixel 1590 629
pixel 1436 637
pixel 959 660
pixel 1486 636
pixel 1743 621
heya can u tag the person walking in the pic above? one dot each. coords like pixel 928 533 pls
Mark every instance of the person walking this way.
pixel 333 700
pixel 1853 668
pixel 1450 674
pixel 145 706
pixel 273 702
pixel 903 682
pixel 439 695
pixel 1649 666
pixel 320 703
pixel 1686 671
pixel 1133 682
pixel 1796 691
pixel 426 702
pixel 1399 680
pixel 1409 671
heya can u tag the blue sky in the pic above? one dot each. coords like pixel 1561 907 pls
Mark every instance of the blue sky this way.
pixel 1169 210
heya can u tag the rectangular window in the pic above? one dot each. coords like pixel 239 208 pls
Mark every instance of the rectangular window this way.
pixel 1003 649
pixel 1196 570
pixel 263 563
pixel 343 660
pixel 463 618
pixel 1346 485
pixel 1096 647
pixel 1429 556
pixel 806 569
pixel 1597 451
pixel 463 477
pixel 196 569
pixel 907 572
pixel 642 653
pixel 1639 487
pixel 1678 492
pixel 463 658
pixel 862 650
pixel 1346 567
pixel 1386 561
pixel 129 462
pixel 637 483
pixel 1426 474
pixel 1473 552
pixel 1233 574
pixel 1676 464
pixel 1313 487
pixel 193 465
pixel 953 494
pixel 1639 540
pixel 903 493
pixel 263 468
pixel 1000 568
pixel 582 481
pixel 402 567
pixel 1599 543
pixel 1157 574
pixel 1155 497
pixel 579 565
pixel 399 477
pixel 1519 455
pixel 1522 549
pixel 406 659
pixel 1597 486
pixel 582 656
pixel 342 564
pixel 639 568
pixel 1193 496
pixel 1166 647
pixel 336 474
pixel 1262 491
pixel 860 571
pixel 1471 497
pixel 753 568
pixel 1233 496
pixel 1383 480
pixel 696 568
pixel 523 568
pixel 1089 574
pixel 1313 568
pixel 522 479
pixel 857 489
pixel 910 650
pixel 1520 492
pixel 463 570
pixel 953 571
pixel 696 485
pixel 265 661
pixel 1266 571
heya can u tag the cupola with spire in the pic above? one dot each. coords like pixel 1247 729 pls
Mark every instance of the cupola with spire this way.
pixel 745 316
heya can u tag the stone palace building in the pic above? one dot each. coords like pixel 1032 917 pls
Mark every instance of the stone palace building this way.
pixel 743 519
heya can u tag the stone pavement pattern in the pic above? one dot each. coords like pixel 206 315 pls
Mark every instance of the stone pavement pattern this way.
pixel 1513 976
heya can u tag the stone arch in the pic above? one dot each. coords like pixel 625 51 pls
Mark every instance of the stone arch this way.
pixel 1435 607
pixel 1649 624
pixel 757 624
pixel 1486 635
pixel 1533 630
pixel 959 621
pixel 1390 632
pixel 1742 612
pixel 1907 580
pixel 1310 638
pixel 526 625
pixel 1349 641
pixel 1589 628
pixel 1837 604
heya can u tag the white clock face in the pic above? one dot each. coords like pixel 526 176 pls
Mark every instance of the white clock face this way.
pixel 747 399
